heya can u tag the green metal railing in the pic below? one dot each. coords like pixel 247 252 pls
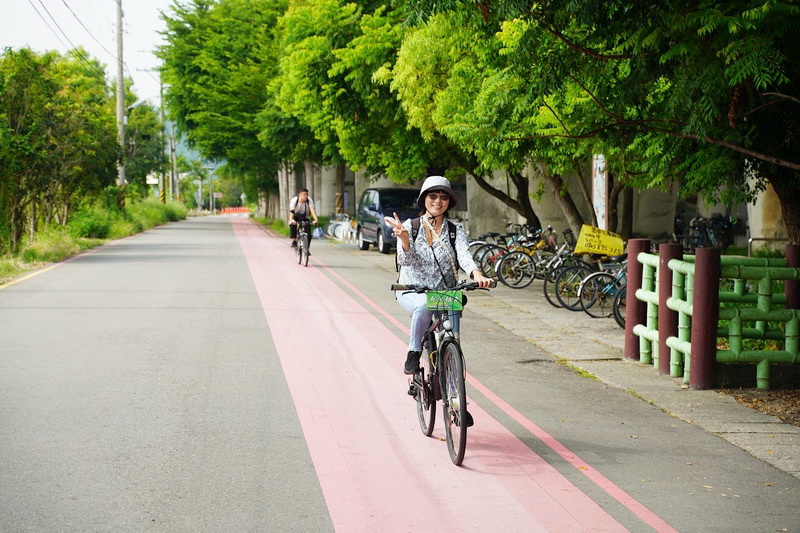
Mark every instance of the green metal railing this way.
pixel 747 304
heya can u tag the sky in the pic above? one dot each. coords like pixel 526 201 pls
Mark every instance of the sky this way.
pixel 61 25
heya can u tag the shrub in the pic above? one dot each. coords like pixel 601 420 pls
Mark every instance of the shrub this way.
pixel 175 211
pixel 93 222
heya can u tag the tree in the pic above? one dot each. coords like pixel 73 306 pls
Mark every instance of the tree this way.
pixel 444 79
pixel 145 143
pixel 218 63
pixel 59 138
pixel 703 95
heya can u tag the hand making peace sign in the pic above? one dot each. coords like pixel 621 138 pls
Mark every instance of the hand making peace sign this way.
pixel 399 231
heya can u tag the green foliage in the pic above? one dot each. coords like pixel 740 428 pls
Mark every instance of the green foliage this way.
pixel 93 222
pixel 58 138
pixel 218 64
pixel 700 96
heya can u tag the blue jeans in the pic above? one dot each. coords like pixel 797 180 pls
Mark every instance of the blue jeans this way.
pixel 416 305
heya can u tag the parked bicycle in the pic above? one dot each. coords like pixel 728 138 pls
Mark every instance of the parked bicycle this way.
pixel 518 269
pixel 597 291
pixel 569 281
pixel 442 368
pixel 703 232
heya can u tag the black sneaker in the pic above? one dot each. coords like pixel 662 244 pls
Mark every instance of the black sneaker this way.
pixel 294 244
pixel 468 421
pixel 412 363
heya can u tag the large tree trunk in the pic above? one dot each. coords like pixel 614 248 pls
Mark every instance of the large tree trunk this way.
pixel 627 214
pixel 340 173
pixel 787 187
pixel 585 192
pixel 620 200
pixel 309 172
pixel 564 199
pixel 521 203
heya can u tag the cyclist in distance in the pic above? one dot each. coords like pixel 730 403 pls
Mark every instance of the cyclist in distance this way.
pixel 440 246
pixel 299 208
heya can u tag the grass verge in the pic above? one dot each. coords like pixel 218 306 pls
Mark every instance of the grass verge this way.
pixel 92 226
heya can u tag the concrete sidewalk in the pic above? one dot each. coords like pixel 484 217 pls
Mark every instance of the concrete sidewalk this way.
pixel 596 346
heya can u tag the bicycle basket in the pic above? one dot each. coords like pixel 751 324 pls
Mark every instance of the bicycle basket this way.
pixel 445 301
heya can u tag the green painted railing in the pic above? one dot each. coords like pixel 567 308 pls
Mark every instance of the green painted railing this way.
pixel 746 302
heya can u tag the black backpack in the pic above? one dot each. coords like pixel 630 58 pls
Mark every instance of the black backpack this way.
pixel 415 224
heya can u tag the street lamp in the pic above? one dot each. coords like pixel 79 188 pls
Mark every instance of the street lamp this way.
pixel 210 169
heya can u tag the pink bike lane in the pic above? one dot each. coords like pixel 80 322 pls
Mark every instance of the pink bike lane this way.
pixel 375 468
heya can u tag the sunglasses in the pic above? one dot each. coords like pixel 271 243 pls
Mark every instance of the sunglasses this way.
pixel 435 195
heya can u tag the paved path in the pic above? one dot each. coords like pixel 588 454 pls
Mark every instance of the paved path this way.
pixel 193 378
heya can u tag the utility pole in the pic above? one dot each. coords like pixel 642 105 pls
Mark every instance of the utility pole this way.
pixel 120 97
pixel 165 182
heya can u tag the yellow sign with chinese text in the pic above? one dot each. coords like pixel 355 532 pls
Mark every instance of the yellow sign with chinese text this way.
pixel 598 241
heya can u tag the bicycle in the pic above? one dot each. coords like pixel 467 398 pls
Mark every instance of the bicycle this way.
pixel 303 241
pixel 597 291
pixel 442 370
pixel 570 280
pixel 519 268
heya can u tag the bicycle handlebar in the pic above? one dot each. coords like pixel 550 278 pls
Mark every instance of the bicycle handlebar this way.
pixel 462 285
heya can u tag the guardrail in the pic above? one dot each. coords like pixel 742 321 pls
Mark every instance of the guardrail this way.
pixel 683 306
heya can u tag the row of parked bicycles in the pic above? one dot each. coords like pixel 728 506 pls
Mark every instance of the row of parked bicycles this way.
pixel 578 282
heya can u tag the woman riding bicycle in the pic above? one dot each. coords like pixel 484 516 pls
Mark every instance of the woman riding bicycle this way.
pixel 439 249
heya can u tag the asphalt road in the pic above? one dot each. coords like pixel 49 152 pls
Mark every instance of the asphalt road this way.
pixel 194 378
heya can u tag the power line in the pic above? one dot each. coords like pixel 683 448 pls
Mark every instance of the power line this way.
pixel 47 24
pixel 87 30
pixel 82 58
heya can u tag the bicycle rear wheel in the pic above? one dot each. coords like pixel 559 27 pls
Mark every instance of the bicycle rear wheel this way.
pixel 618 309
pixel 454 401
pixel 567 284
pixel 516 269
pixel 298 252
pixel 424 383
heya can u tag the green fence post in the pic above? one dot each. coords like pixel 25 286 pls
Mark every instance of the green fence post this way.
pixel 791 288
pixel 648 350
pixel 705 315
pixel 667 318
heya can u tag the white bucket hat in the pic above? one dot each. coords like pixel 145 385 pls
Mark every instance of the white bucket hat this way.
pixel 436 183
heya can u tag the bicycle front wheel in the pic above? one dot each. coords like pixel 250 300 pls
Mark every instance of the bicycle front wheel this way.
pixel 298 252
pixel 454 402
pixel 306 244
pixel 424 383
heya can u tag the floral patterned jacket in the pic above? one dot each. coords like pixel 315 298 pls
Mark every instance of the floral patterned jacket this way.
pixel 434 266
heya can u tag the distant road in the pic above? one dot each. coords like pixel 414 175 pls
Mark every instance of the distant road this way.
pixel 195 378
